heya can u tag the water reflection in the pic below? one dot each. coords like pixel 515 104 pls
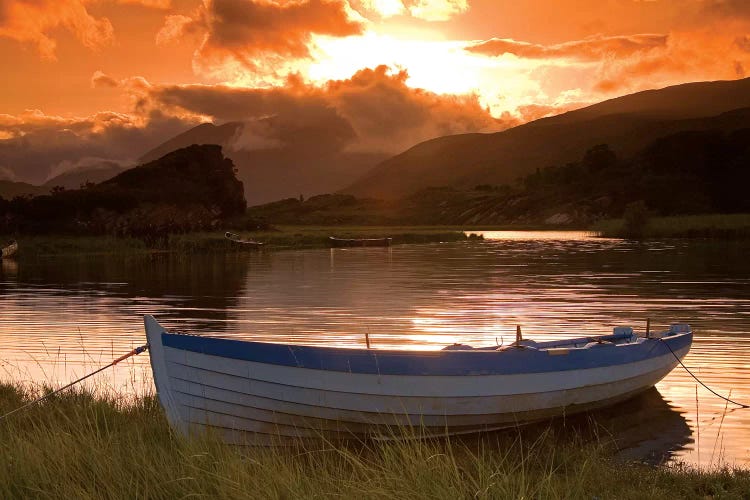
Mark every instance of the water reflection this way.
pixel 63 316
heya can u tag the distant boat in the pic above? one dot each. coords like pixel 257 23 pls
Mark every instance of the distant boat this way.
pixel 238 239
pixel 359 242
pixel 264 394
pixel 10 249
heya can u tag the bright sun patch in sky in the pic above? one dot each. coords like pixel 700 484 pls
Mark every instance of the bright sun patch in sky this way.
pixel 442 67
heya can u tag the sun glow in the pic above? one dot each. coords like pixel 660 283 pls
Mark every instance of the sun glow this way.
pixel 439 66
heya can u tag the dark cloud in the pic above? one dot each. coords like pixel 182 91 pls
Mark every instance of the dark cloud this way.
pixel 251 30
pixel 589 49
pixel 35 144
pixel 374 110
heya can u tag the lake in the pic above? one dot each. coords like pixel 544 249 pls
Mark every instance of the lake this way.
pixel 65 316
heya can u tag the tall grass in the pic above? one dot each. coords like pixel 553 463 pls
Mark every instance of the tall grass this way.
pixel 78 445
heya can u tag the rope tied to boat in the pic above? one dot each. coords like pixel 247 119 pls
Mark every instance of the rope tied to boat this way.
pixel 134 352
pixel 699 380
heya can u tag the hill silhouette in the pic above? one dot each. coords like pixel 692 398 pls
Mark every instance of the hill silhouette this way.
pixel 627 124
pixel 189 189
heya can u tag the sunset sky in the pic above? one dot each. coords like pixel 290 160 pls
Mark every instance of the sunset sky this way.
pixel 86 80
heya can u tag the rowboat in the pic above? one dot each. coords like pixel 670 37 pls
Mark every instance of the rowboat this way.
pixel 257 393
pixel 238 239
pixel 359 242
pixel 10 249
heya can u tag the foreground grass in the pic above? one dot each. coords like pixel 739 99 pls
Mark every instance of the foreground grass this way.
pixel 80 446
pixel 727 226
pixel 282 237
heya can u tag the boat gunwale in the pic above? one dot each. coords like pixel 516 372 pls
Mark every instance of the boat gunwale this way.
pixel 475 362
pixel 544 346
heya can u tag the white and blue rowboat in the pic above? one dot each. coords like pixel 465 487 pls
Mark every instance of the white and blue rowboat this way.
pixel 263 394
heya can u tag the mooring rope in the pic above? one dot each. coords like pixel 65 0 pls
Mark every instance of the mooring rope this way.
pixel 699 380
pixel 134 352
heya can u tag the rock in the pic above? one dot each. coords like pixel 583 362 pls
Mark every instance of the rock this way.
pixel 558 219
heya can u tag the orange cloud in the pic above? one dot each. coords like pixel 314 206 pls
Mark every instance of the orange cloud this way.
pixel 249 31
pixel 707 54
pixel 32 21
pixel 436 10
pixel 427 10
pixel 102 80
pixel 589 49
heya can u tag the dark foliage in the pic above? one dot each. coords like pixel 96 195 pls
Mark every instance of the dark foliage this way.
pixel 685 173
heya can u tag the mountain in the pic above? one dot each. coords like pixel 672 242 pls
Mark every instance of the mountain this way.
pixel 627 124
pixel 205 133
pixel 11 189
pixel 275 174
pixel 688 172
pixel 76 177
pixel 281 171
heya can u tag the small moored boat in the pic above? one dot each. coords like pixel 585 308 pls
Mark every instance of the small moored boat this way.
pixel 238 239
pixel 359 242
pixel 262 393
pixel 10 249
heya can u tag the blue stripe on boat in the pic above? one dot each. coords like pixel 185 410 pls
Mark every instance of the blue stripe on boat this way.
pixel 436 363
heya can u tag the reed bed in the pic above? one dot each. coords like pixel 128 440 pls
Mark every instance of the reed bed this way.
pixel 716 226
pixel 81 445
pixel 314 237
pixel 210 242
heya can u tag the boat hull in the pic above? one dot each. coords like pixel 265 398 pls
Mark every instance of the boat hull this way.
pixel 359 242
pixel 251 402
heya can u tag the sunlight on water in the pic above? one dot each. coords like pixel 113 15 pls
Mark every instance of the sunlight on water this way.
pixel 64 317
pixel 534 235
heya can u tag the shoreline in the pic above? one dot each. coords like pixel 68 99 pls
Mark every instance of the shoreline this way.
pixel 710 227
pixel 282 238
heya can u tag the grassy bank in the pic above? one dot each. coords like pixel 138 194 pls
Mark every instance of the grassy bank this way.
pixel 80 446
pixel 732 226
pixel 281 237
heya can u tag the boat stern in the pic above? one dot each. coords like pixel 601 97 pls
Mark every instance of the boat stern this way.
pixel 154 332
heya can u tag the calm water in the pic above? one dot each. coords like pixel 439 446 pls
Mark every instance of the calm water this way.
pixel 62 317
